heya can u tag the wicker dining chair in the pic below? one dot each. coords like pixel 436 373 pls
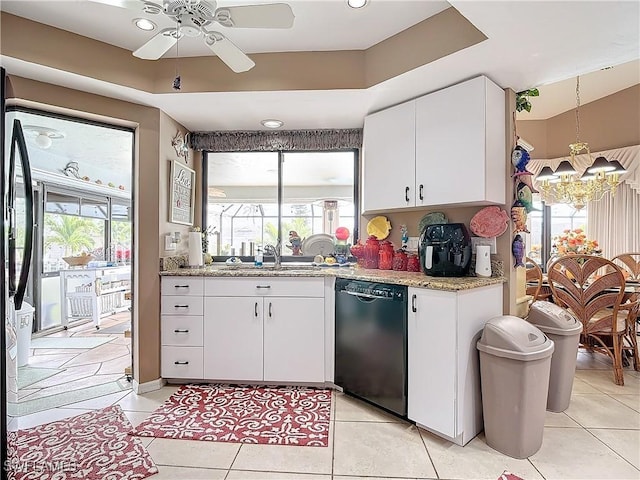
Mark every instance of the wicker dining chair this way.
pixel 534 281
pixel 630 262
pixel 592 289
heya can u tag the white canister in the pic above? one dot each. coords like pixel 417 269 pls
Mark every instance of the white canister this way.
pixel 483 260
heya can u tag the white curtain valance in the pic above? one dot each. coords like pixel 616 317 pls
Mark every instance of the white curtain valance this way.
pixel 629 158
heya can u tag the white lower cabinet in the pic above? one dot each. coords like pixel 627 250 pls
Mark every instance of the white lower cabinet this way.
pixel 443 368
pixel 233 338
pixel 181 327
pixel 275 337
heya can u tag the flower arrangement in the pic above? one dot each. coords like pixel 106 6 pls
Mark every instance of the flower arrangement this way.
pixel 574 242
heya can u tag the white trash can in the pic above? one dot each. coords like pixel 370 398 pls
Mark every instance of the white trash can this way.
pixel 515 359
pixel 564 330
pixel 24 325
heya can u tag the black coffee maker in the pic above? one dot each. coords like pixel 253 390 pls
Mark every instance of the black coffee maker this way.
pixel 445 250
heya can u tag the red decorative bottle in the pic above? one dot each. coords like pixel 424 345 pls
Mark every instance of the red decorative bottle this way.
pixel 413 263
pixel 400 260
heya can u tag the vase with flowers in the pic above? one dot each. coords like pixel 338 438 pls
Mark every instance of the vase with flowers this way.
pixel 574 242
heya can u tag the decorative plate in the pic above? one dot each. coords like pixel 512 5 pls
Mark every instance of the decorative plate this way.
pixel 431 219
pixel 490 222
pixel 379 227
pixel 318 244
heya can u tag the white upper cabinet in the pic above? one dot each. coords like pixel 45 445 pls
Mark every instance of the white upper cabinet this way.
pixel 389 147
pixel 445 148
pixel 460 144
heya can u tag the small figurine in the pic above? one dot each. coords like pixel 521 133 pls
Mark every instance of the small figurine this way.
pixel 519 217
pixel 517 248
pixel 73 170
pixel 525 196
pixel 295 243
pixel 519 159
pixel 404 239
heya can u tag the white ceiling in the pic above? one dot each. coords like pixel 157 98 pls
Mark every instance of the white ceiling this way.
pixel 530 44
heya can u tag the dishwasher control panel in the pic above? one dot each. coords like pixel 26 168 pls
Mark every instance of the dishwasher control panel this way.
pixel 372 289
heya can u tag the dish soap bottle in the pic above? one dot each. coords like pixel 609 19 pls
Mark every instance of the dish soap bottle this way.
pixel 257 261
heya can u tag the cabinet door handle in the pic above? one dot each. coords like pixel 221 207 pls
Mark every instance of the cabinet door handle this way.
pixel 406 193
pixel 181 286
pixel 256 310
pixel 263 286
pixel 413 304
pixel 181 306
pixel 421 196
pixel 270 309
pixel 177 330
pixel 181 363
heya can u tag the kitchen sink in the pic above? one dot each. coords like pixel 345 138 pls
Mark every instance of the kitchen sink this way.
pixel 267 266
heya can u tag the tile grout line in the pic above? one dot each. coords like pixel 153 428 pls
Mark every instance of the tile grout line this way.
pixel 427 450
pixel 610 448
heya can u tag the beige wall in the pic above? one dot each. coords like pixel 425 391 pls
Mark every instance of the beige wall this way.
pixel 154 131
pixel 607 123
pixel 168 129
pixel 436 37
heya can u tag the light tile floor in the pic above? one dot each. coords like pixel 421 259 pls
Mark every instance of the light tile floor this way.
pixel 597 437
pixel 62 376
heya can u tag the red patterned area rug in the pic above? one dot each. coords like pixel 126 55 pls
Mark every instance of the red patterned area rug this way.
pixel 225 413
pixel 93 446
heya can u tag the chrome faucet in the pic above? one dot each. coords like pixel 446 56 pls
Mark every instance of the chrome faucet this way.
pixel 275 251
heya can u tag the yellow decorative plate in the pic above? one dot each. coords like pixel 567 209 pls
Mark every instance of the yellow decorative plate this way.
pixel 379 227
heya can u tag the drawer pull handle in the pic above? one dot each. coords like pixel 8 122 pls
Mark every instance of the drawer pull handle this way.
pixel 406 194
pixel 181 331
pixel 181 306
pixel 181 363
pixel 270 309
pixel 263 286
pixel 421 196
pixel 181 286
pixel 413 304
pixel 256 310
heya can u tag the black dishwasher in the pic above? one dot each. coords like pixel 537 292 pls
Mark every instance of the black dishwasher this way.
pixel 371 342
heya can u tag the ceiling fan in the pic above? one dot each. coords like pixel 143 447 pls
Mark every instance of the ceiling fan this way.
pixel 194 18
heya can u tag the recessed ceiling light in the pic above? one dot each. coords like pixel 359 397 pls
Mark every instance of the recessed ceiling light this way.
pixel 272 123
pixel 144 24
pixel 356 3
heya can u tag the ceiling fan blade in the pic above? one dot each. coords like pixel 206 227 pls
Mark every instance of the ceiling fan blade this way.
pixel 228 52
pixel 274 15
pixel 158 45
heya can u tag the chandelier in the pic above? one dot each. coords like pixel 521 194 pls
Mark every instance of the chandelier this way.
pixel 564 185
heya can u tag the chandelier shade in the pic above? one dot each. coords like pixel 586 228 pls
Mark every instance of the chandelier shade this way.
pixel 565 185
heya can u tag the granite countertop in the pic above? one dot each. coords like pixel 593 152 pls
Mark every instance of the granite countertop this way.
pixel 410 279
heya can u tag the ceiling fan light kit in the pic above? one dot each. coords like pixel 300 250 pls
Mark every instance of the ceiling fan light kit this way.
pixel 194 17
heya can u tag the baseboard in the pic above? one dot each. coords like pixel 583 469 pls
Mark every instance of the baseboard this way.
pixel 146 387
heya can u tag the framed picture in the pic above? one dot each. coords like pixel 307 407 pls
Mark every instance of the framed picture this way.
pixel 182 194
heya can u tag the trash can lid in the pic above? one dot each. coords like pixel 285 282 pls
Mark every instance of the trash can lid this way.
pixel 515 338
pixel 551 318
pixel 26 308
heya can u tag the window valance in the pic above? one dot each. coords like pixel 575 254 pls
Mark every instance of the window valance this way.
pixel 267 141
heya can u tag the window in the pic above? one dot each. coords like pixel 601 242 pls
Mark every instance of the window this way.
pixel 254 198
pixel 549 221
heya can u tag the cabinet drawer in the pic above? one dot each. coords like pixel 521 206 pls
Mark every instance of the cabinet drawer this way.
pixel 182 285
pixel 264 286
pixel 179 305
pixel 182 362
pixel 182 330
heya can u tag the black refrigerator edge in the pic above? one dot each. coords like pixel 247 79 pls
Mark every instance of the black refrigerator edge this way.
pixel 15 271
